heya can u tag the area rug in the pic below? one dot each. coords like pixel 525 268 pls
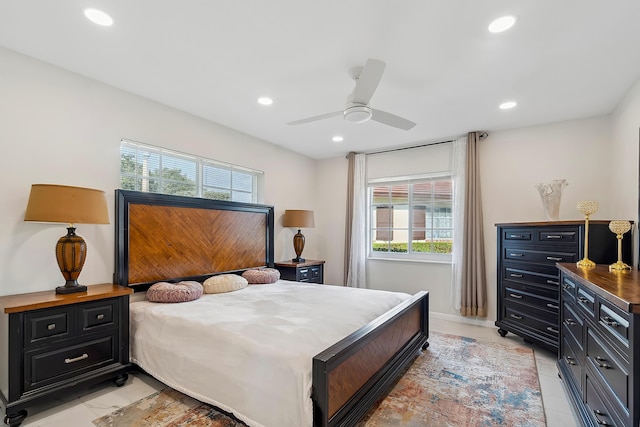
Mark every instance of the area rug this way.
pixel 457 381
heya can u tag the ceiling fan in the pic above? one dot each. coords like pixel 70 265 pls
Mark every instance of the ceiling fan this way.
pixel 357 109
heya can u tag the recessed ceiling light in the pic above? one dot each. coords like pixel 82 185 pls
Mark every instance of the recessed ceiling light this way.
pixel 98 17
pixel 502 24
pixel 337 138
pixel 507 105
pixel 265 101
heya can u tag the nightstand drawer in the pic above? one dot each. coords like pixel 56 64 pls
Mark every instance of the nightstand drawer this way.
pixel 48 325
pixel 45 367
pixel 98 315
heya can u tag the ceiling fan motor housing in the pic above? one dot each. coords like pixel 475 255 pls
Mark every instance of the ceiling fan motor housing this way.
pixel 357 113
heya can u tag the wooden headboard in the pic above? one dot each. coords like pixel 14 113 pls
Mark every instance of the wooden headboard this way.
pixel 171 238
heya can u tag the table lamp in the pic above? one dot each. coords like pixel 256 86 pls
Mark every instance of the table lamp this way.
pixel 298 219
pixel 64 204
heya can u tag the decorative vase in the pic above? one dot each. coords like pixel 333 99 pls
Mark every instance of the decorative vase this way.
pixel 550 195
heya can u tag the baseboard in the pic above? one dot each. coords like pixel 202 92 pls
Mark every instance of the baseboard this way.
pixel 462 319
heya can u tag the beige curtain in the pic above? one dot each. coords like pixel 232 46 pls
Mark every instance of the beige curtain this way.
pixel 474 283
pixel 349 219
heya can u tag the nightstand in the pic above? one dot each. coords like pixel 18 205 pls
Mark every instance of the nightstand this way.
pixel 310 271
pixel 52 342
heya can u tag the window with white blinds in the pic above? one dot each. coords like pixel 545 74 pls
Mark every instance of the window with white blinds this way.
pixel 158 170
pixel 411 217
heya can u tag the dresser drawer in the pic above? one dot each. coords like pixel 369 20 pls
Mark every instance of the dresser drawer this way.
pixel 531 296
pixel 99 315
pixel 568 236
pixel 530 319
pixel 46 367
pixel 309 274
pixel 570 358
pixel 614 324
pixel 539 275
pixel 537 256
pixel 573 325
pixel 586 300
pixel 43 326
pixel 614 372
pixel 600 412
pixel 517 235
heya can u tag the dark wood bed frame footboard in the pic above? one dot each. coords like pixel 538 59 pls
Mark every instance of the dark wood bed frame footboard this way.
pixel 350 376
pixel 173 238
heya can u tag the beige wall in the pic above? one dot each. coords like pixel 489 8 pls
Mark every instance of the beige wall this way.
pixel 58 127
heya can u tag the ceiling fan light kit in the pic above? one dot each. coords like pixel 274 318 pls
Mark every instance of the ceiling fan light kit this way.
pixel 357 113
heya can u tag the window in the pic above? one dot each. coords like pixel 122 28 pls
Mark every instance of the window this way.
pixel 157 170
pixel 411 217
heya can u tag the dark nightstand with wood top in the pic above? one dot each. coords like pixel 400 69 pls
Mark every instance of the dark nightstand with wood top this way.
pixel 310 271
pixel 52 342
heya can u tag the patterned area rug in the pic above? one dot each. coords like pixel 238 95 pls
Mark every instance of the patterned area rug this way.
pixel 457 381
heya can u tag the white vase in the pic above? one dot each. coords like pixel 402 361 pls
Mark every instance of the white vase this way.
pixel 550 195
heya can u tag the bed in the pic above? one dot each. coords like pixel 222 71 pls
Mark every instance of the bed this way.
pixel 332 380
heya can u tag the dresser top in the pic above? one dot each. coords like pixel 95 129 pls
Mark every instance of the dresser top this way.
pixel 621 289
pixel 550 223
pixel 45 299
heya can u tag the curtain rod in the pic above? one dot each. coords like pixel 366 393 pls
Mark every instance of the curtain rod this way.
pixel 481 135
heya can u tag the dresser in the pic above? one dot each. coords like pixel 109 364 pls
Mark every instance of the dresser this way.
pixel 50 343
pixel 599 358
pixel 528 281
pixel 310 271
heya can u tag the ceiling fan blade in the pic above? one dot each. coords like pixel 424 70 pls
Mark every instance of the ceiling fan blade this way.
pixel 391 120
pixel 314 118
pixel 368 81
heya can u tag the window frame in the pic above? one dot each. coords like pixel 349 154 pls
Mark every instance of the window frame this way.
pixel 410 255
pixel 200 163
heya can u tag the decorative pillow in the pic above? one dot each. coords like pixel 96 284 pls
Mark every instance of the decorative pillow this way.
pixel 259 276
pixel 174 292
pixel 224 283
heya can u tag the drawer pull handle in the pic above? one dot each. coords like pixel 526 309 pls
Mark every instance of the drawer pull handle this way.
pixel 515 296
pixel 515 275
pixel 517 236
pixel 583 300
pixel 516 254
pixel 77 359
pixel 600 362
pixel 609 321
pixel 100 316
pixel 550 305
pixel 553 236
pixel 554 258
pixel 570 322
pixel 552 329
pixel 569 360
pixel 515 316
pixel 555 282
pixel 598 420
pixel 51 327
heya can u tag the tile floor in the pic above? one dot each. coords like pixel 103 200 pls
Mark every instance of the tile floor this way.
pixel 82 408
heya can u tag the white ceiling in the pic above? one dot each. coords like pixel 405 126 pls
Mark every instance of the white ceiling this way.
pixel 563 60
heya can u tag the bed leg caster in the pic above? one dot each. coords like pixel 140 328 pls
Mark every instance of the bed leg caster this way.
pixel 425 345
pixel 121 379
pixel 14 420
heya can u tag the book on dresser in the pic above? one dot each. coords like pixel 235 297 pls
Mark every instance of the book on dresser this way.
pixel 528 281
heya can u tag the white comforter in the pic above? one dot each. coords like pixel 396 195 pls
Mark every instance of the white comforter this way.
pixel 249 352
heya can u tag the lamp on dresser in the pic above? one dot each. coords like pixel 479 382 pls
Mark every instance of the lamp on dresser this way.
pixel 70 205
pixel 298 219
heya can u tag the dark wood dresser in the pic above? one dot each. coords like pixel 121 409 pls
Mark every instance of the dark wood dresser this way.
pixel 528 299
pixel 310 271
pixel 51 342
pixel 599 357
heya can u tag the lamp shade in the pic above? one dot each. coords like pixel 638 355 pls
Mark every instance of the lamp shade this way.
pixel 65 204
pixel 298 219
